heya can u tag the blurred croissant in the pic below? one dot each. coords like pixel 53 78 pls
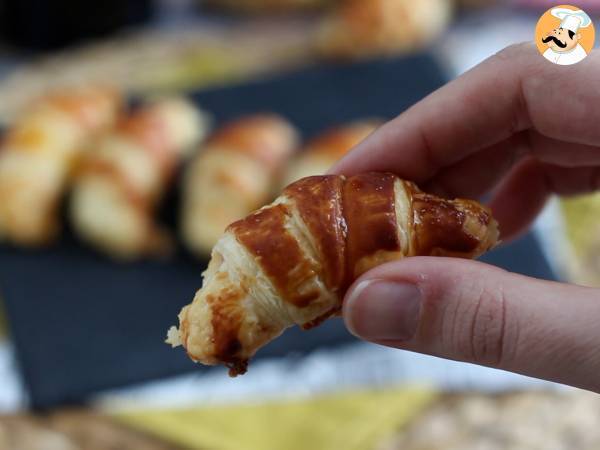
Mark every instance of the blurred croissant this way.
pixel 234 173
pixel 322 152
pixel 291 262
pixel 39 154
pixel 359 28
pixel 125 175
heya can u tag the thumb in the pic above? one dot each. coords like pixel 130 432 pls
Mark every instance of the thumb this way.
pixel 470 311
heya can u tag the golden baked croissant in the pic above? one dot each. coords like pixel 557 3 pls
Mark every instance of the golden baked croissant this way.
pixel 38 155
pixel 358 28
pixel 291 262
pixel 322 152
pixel 234 173
pixel 123 178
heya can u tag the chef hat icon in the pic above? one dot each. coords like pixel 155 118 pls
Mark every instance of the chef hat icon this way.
pixel 572 20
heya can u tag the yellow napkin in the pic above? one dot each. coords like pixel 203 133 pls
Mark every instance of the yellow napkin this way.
pixel 581 219
pixel 349 421
pixel 583 233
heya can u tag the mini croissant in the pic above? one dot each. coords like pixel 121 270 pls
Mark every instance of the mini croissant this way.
pixel 38 155
pixel 234 173
pixel 291 262
pixel 322 152
pixel 125 175
pixel 363 28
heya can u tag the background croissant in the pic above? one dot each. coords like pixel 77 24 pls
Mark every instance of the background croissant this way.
pixel 360 28
pixel 123 178
pixel 38 155
pixel 291 262
pixel 323 151
pixel 235 172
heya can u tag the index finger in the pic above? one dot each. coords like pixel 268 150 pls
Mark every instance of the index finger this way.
pixel 512 91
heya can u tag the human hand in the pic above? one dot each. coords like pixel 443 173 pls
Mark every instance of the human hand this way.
pixel 523 129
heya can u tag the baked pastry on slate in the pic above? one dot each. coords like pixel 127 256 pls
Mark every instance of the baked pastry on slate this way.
pixel 38 156
pixel 322 152
pixel 365 28
pixel 236 171
pixel 124 176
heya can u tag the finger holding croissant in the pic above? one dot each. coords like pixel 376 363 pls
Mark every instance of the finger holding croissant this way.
pixel 291 262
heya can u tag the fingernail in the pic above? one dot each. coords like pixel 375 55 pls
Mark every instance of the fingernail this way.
pixel 378 310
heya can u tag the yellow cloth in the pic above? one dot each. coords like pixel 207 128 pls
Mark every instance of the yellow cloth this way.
pixel 349 421
pixel 583 232
pixel 581 219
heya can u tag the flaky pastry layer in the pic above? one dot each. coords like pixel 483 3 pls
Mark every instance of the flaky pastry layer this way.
pixel 290 263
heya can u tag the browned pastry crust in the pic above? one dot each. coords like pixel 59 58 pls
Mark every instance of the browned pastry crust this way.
pixel 88 107
pixel 267 138
pixel 292 261
pixel 147 130
pixel 359 28
pixel 38 155
pixel 235 172
pixel 323 151
pixel 151 131
pixel 336 142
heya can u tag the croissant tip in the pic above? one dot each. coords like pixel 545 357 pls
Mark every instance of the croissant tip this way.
pixel 173 337
pixel 238 367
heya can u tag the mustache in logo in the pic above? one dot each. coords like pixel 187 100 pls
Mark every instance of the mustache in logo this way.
pixel 556 41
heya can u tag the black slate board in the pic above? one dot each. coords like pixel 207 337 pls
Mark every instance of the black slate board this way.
pixel 81 323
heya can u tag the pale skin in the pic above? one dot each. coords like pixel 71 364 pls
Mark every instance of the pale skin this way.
pixel 520 129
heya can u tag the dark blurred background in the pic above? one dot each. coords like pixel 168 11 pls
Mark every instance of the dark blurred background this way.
pixel 47 26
